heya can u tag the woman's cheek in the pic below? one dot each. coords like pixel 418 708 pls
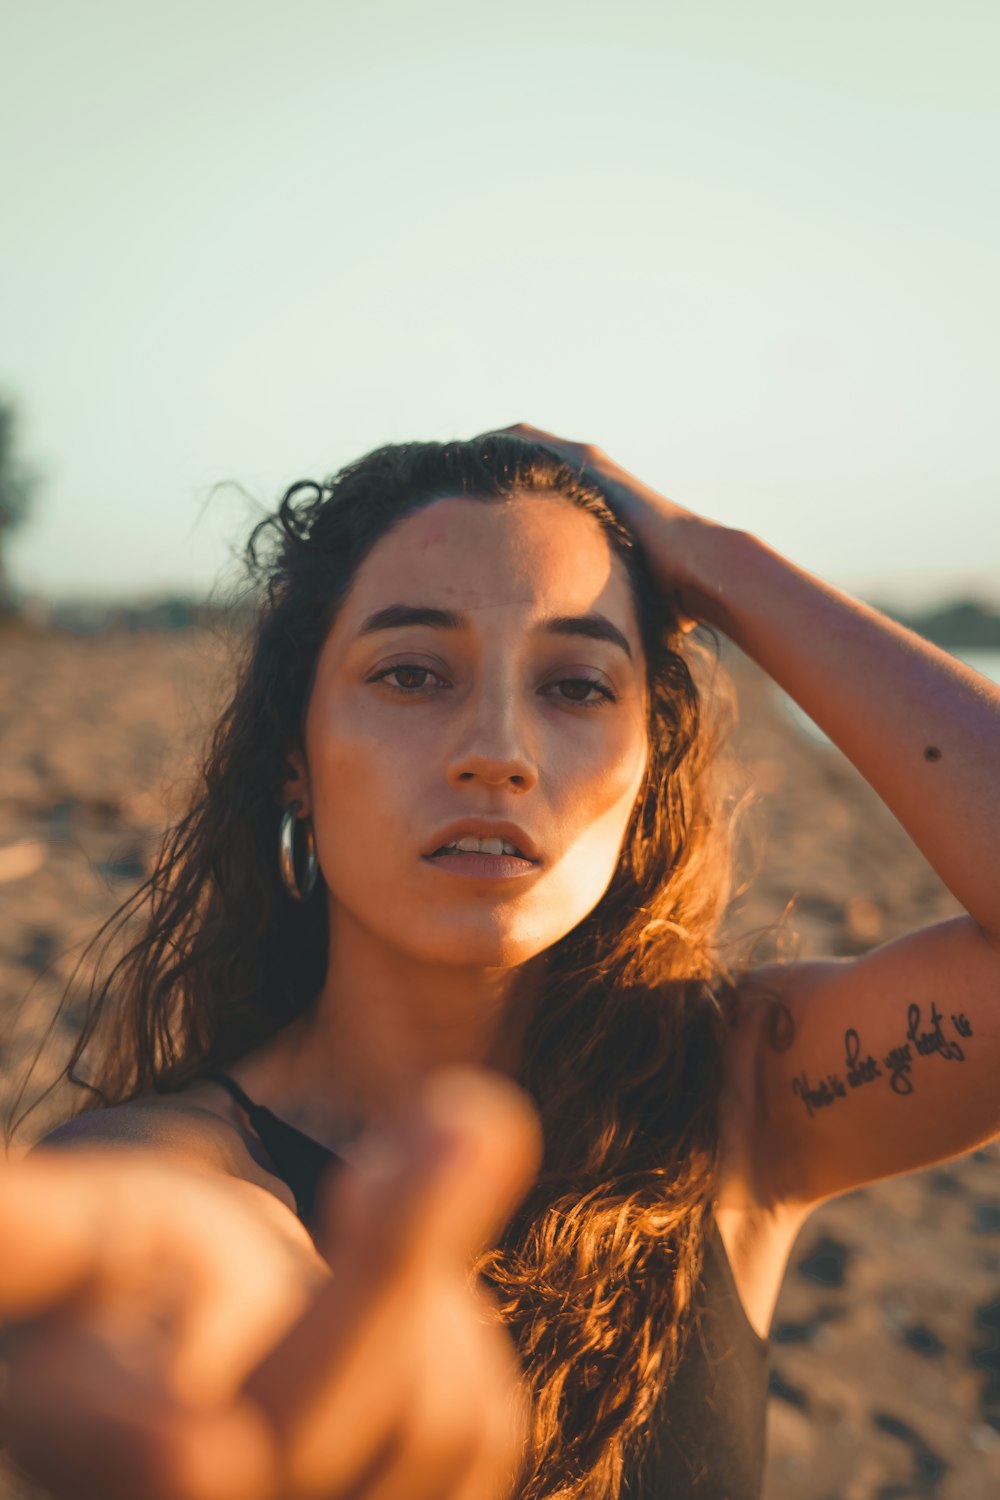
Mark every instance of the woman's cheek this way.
pixel 354 817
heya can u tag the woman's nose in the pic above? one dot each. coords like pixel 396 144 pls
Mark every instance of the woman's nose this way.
pixel 493 742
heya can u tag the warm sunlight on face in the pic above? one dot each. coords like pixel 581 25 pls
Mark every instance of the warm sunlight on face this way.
pixel 413 728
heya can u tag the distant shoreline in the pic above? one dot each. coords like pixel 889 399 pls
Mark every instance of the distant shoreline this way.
pixel 956 624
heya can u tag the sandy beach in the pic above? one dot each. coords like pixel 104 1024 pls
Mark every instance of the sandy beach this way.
pixel 886 1339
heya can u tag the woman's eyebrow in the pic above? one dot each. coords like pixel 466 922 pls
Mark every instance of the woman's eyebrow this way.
pixel 595 626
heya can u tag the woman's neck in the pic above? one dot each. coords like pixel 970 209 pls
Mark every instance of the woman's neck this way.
pixel 353 1061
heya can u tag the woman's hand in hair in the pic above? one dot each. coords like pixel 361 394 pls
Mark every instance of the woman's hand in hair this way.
pixel 172 1335
pixel 669 535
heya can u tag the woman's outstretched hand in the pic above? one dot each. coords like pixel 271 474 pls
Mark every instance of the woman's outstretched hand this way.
pixel 173 1334
pixel 669 534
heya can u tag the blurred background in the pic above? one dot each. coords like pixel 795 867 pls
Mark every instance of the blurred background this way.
pixel 750 251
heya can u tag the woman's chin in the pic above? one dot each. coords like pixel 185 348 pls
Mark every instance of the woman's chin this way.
pixel 454 946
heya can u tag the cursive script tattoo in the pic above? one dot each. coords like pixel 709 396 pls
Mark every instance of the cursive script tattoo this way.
pixel 931 1041
pixel 825 1093
pixel 899 1062
pixel 861 1069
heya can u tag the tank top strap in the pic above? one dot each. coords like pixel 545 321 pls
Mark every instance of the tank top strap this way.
pixel 233 1088
pixel 298 1159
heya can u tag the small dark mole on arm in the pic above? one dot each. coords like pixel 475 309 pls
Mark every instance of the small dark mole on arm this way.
pixel 932 753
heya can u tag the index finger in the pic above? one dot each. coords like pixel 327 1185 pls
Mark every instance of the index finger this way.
pixel 53 1217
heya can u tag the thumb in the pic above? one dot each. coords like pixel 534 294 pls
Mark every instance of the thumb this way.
pixel 445 1183
pixel 486 1152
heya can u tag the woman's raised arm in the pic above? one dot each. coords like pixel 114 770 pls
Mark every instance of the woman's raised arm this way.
pixel 864 1067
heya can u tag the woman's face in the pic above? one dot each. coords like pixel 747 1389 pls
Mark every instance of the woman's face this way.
pixel 416 728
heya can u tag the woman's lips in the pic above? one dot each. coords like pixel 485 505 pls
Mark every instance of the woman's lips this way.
pixel 490 866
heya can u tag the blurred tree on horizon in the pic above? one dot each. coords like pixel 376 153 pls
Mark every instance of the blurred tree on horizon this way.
pixel 958 622
pixel 18 486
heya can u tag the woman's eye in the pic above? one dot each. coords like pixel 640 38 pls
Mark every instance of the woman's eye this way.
pixel 585 685
pixel 403 669
pixel 588 683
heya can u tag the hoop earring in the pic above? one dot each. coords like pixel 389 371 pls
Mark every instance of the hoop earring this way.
pixel 286 855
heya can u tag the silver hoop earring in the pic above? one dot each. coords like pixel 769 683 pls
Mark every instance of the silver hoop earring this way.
pixel 286 858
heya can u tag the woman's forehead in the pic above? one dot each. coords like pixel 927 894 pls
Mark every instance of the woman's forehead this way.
pixel 518 549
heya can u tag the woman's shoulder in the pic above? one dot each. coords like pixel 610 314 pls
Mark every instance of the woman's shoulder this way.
pixel 191 1126
pixel 183 1130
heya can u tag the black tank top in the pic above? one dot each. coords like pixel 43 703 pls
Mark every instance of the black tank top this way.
pixel 707 1434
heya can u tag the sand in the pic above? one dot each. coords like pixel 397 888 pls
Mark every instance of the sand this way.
pixel 886 1337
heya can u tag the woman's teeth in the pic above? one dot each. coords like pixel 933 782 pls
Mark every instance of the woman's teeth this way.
pixel 471 845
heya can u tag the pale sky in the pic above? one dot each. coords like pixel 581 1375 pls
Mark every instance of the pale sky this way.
pixel 750 250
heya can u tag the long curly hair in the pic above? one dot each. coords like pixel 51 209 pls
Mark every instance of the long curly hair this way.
pixel 595 1273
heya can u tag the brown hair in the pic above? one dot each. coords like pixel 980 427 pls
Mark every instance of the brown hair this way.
pixel 596 1272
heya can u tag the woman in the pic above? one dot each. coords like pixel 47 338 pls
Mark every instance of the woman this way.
pixel 487 644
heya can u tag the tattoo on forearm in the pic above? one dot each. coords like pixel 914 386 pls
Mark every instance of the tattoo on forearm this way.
pixel 896 1064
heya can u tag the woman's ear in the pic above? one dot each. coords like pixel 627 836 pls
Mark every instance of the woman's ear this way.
pixel 296 787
